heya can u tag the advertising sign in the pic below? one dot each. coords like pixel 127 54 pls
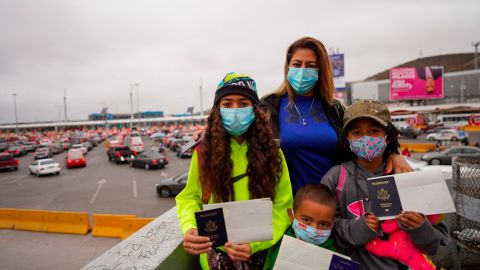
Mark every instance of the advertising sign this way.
pixel 338 65
pixel 416 83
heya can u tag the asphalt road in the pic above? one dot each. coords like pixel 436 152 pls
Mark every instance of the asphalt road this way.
pixel 102 187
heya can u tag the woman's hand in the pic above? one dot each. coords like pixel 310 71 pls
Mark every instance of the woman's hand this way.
pixel 398 164
pixel 194 244
pixel 410 219
pixel 238 252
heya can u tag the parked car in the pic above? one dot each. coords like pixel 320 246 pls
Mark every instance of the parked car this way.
pixel 44 166
pixel 120 154
pixel 4 146
pixel 75 159
pixel 136 144
pixel 17 151
pixel 88 145
pixel 56 148
pixel 81 147
pixel 175 143
pixel 172 186
pixel 447 135
pixel 445 157
pixel 182 152
pixel 438 129
pixel 42 152
pixel 149 160
pixel 410 132
pixel 8 162
pixel 65 145
pixel 114 143
pixel 30 146
pixel 157 135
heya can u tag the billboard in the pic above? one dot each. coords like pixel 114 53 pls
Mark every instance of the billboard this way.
pixel 338 66
pixel 413 83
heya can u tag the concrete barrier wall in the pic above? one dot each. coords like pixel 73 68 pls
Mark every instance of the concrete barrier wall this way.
pixel 155 246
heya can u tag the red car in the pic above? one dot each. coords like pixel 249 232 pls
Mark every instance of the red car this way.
pixel 75 159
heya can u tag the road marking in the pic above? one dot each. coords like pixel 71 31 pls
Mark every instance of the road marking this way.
pixel 164 175
pixel 135 189
pixel 100 184
pixel 11 181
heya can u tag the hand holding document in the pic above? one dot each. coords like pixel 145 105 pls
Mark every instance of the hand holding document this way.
pixel 245 221
pixel 425 192
pixel 297 254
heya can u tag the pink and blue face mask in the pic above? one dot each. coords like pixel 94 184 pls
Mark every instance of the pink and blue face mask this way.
pixel 368 147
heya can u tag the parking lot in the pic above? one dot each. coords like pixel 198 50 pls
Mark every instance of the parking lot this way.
pixel 101 187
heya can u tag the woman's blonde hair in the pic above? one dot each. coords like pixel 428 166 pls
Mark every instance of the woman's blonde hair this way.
pixel 324 87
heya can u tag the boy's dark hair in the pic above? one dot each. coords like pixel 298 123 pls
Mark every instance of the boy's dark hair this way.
pixel 316 192
pixel 392 142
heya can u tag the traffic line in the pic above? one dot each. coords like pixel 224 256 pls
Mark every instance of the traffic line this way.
pixel 100 184
pixel 135 189
pixel 15 180
pixel 164 175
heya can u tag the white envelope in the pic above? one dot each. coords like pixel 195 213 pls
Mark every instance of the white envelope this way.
pixel 299 255
pixel 246 221
pixel 425 192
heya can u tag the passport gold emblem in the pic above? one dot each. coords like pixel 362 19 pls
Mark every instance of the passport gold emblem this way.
pixel 383 194
pixel 211 226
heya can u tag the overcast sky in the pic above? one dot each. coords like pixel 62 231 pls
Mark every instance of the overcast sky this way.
pixel 97 49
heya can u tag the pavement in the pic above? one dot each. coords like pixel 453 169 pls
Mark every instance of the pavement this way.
pixel 102 187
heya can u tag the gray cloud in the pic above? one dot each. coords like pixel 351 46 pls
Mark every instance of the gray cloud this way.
pixel 96 49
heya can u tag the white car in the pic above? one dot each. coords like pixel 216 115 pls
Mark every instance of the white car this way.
pixel 81 147
pixel 446 135
pixel 44 166
pixel 136 144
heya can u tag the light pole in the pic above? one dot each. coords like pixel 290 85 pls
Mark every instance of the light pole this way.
pixel 138 100
pixel 15 108
pixel 201 97
pixel 131 106
pixel 476 44
pixel 65 104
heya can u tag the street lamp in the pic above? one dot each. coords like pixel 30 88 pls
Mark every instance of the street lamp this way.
pixel 15 108
pixel 476 44
pixel 138 100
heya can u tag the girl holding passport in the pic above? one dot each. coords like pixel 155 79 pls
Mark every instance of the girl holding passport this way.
pixel 370 137
pixel 237 159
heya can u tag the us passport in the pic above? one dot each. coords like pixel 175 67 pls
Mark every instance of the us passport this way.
pixel 339 263
pixel 383 194
pixel 211 223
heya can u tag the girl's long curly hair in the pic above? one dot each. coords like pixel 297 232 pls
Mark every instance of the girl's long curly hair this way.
pixel 264 161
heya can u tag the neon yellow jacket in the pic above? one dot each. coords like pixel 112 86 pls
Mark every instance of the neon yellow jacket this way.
pixel 190 199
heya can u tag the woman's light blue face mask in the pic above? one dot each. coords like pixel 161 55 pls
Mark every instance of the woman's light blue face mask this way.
pixel 237 120
pixel 302 80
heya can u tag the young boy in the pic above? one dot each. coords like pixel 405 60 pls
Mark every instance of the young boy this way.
pixel 312 219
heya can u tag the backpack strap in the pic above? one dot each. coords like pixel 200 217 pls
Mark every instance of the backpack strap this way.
pixel 341 181
pixel 238 177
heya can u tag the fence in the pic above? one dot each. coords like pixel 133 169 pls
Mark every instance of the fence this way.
pixel 465 227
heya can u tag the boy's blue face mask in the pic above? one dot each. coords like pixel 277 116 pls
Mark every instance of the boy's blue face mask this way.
pixel 310 234
pixel 237 121
pixel 302 80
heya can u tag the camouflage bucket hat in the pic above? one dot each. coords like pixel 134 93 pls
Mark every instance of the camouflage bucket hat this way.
pixel 367 108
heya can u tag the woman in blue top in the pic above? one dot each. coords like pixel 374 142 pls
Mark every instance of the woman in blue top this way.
pixel 306 118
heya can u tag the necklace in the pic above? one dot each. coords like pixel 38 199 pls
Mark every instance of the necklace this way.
pixel 303 119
